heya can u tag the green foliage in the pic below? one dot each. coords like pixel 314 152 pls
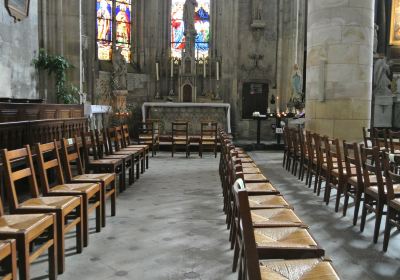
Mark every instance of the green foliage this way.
pixel 58 65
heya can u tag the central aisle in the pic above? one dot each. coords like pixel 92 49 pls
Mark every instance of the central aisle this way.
pixel 169 225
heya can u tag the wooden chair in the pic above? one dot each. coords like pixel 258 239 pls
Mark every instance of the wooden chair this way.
pixel 180 137
pixel 354 186
pixel 93 163
pixel 368 138
pixel 336 176
pixel 148 134
pixel 115 148
pixel 380 139
pixel 208 137
pixel 104 152
pixel 394 141
pixel 304 164
pixel 8 259
pixel 71 155
pixel 312 159
pixel 374 195
pixel 27 229
pixel 68 209
pixel 49 161
pixel 393 198
pixel 294 137
pixel 322 165
pixel 254 245
pixel 125 143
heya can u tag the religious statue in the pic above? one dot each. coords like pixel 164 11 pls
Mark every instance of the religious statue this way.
pixel 376 40
pixel 188 16
pixel 381 81
pixel 258 11
pixel 119 74
pixel 297 85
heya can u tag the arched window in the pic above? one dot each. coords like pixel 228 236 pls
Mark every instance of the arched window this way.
pixel 202 25
pixel 114 22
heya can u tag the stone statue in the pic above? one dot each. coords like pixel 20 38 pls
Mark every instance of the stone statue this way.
pixel 188 15
pixel 376 40
pixel 381 81
pixel 258 11
pixel 120 71
pixel 297 85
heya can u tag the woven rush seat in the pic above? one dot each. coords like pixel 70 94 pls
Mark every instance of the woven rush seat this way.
pixel 251 170
pixel 303 269
pixel 374 190
pixel 20 223
pixel 78 188
pixel 104 161
pixel 260 188
pixel 279 217
pixel 254 178
pixel 395 203
pixel 267 202
pixel 293 237
pixel 246 160
pixel 242 155
pixel 51 202
pixel 248 164
pixel 104 177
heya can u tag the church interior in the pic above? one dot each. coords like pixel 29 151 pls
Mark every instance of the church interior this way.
pixel 200 139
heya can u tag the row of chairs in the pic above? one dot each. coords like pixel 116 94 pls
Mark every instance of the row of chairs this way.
pixel 363 172
pixel 66 195
pixel 269 240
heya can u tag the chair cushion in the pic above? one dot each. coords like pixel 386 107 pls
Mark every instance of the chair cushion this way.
pixel 267 202
pixel 50 202
pixel 281 217
pixel 20 223
pixel 293 237
pixel 303 269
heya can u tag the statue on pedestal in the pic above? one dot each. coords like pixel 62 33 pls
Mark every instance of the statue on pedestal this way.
pixel 190 30
pixel 120 72
pixel 258 10
pixel 381 81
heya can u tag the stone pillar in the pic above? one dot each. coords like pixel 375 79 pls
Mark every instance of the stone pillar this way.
pixel 339 67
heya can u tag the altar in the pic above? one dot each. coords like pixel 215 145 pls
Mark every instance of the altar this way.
pixel 195 113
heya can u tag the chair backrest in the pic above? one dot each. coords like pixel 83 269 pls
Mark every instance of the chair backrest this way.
pixel 18 165
pixel 48 159
pixel 209 129
pixel 71 156
pixel 352 159
pixel 89 146
pixel 102 144
pixel 310 145
pixel 113 140
pixel 333 154
pixel 302 143
pixel 394 141
pixel 247 231
pixel 371 163
pixel 120 136
pixel 294 137
pixel 380 138
pixel 368 139
pixel 391 177
pixel 126 139
pixel 146 132
pixel 180 129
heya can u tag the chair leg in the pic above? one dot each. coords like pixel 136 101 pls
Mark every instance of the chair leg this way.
pixel 346 198
pixel 85 221
pixel 357 202
pixel 235 255
pixel 338 194
pixel 80 230
pixel 61 244
pixel 23 258
pixel 390 215
pixel 52 252
pixel 378 219
pixel 98 212
pixel 364 213
pixel 113 200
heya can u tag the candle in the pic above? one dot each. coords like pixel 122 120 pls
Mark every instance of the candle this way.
pixel 277 104
pixel 204 67
pixel 157 73
pixel 217 70
pixel 172 67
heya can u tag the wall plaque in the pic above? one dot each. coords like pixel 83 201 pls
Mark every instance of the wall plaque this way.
pixel 18 9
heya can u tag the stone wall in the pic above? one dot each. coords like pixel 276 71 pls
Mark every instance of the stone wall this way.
pixel 18 46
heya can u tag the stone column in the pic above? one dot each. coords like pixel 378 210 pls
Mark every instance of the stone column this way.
pixel 339 67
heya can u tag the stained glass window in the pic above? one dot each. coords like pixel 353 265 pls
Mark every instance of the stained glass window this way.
pixel 202 25
pixel 114 16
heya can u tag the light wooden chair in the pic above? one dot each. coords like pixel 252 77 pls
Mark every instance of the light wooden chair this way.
pixel 68 209
pixel 180 137
pixel 49 161
pixel 8 260
pixel 208 137
pixel 124 141
pixel 108 190
pixel 148 134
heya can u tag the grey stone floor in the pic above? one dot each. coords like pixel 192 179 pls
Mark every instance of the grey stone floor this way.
pixel 169 225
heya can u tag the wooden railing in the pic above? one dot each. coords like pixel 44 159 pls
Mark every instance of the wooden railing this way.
pixel 14 135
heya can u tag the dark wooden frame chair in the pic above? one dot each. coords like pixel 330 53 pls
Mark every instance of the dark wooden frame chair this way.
pixel 8 259
pixel 250 251
pixel 124 140
pixel 68 209
pixel 148 134
pixel 208 137
pixel 180 137
pixel 312 159
pixel 108 190
pixel 394 141
pixel 354 185
pixel 393 198
pixel 48 160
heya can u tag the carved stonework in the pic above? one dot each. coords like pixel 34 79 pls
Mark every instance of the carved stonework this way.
pixel 119 104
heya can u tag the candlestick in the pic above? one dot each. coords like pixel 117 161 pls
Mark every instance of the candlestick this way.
pixel 204 67
pixel 217 70
pixel 172 67
pixel 157 73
